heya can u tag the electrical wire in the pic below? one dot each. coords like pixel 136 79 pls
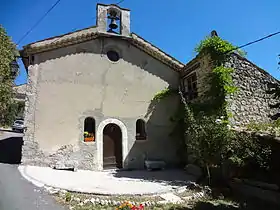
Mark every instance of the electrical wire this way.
pixel 121 1
pixel 38 22
pixel 253 42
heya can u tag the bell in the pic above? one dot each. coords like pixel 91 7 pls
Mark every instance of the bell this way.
pixel 113 24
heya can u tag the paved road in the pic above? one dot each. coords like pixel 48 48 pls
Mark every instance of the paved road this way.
pixel 5 134
pixel 15 192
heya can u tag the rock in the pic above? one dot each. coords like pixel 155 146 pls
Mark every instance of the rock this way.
pixel 63 191
pixel 92 200
pixel 54 191
pixel 193 186
pixel 86 201
pixel 181 189
pixel 170 197
pixel 194 170
pixel 115 203
pixel 162 202
pixel 48 188
pixel 77 199
pixel 188 197
pixel 221 197
pixel 200 194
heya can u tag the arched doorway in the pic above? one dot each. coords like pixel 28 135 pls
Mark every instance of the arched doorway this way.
pixel 112 146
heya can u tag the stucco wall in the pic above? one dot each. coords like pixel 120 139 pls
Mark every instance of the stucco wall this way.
pixel 69 84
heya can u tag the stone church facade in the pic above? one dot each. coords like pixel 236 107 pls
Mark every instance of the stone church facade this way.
pixel 101 82
pixel 89 96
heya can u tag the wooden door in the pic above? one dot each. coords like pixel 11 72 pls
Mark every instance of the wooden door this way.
pixel 112 146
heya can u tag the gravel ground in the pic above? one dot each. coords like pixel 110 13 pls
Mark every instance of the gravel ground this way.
pixel 108 182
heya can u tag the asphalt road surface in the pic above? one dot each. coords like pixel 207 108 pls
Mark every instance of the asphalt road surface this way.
pixel 15 192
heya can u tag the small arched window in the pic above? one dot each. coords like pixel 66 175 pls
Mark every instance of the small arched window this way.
pixel 141 130
pixel 89 129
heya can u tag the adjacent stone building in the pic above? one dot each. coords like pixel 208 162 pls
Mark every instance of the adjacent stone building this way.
pixel 89 97
pixel 250 104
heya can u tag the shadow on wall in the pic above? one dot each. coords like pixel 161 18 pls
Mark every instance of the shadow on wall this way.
pixel 10 150
pixel 160 145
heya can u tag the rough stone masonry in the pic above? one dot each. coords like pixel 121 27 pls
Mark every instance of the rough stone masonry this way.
pixel 251 102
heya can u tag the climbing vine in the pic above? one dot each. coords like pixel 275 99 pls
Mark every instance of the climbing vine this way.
pixel 164 93
pixel 220 79
pixel 204 123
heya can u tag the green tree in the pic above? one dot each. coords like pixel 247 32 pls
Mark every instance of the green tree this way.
pixel 8 53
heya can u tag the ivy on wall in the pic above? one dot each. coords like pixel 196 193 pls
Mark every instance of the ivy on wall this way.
pixel 164 93
pixel 204 123
pixel 220 79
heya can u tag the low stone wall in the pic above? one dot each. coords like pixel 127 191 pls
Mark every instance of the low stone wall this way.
pixel 255 192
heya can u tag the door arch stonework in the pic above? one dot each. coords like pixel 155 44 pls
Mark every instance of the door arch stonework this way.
pixel 99 140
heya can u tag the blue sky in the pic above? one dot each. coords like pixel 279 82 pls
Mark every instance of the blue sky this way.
pixel 175 26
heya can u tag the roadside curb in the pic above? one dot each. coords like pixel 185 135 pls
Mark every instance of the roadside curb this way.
pixel 22 170
pixel 28 174
pixel 96 191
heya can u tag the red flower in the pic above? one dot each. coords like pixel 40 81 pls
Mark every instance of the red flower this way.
pixel 141 207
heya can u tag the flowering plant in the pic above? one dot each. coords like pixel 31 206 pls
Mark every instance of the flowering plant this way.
pixel 128 206
pixel 87 134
